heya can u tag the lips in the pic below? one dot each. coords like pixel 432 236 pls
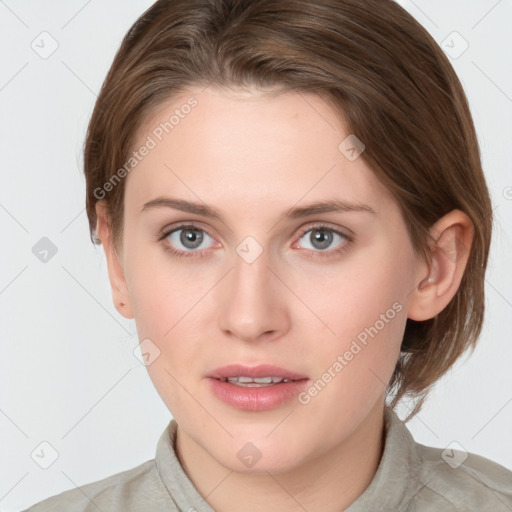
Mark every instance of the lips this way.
pixel 259 371
pixel 257 396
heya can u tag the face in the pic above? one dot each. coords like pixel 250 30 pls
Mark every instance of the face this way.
pixel 322 294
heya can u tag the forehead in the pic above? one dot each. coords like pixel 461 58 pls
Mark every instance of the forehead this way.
pixel 244 148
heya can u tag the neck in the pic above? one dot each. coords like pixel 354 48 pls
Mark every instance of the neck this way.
pixel 331 482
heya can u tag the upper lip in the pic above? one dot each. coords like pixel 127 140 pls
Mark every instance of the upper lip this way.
pixel 261 370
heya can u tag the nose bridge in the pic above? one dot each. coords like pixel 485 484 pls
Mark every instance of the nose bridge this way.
pixel 250 270
pixel 251 304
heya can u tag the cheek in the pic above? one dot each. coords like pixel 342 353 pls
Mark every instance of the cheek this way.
pixel 350 301
pixel 171 306
pixel 161 290
pixel 170 309
pixel 365 311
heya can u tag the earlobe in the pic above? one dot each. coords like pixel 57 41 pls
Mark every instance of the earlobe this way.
pixel 116 275
pixel 453 235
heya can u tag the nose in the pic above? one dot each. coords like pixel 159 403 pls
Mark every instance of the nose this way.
pixel 252 301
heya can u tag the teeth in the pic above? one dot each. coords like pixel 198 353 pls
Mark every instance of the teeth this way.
pixel 259 380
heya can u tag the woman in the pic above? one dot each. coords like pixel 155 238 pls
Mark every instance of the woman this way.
pixel 293 210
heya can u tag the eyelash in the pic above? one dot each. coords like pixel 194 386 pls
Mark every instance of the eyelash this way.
pixel 309 253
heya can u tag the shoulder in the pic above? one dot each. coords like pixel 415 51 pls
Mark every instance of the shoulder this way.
pixel 129 491
pixel 463 481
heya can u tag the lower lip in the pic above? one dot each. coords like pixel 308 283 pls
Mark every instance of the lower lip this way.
pixel 257 398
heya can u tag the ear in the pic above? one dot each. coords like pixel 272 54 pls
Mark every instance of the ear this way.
pixel 115 269
pixel 438 283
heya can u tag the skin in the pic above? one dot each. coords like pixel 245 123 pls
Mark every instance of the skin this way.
pixel 252 156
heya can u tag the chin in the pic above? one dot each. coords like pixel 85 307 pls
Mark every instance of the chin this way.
pixel 259 456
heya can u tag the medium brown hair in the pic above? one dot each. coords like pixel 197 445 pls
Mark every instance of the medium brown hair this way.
pixel 377 67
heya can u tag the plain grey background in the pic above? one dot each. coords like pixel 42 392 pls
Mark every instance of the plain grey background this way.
pixel 69 374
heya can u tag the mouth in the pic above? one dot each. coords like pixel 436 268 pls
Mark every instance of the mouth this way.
pixel 256 388
pixel 255 376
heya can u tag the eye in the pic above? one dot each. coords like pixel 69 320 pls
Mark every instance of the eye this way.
pixel 186 240
pixel 321 237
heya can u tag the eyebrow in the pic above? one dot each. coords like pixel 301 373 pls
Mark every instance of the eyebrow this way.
pixel 331 205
